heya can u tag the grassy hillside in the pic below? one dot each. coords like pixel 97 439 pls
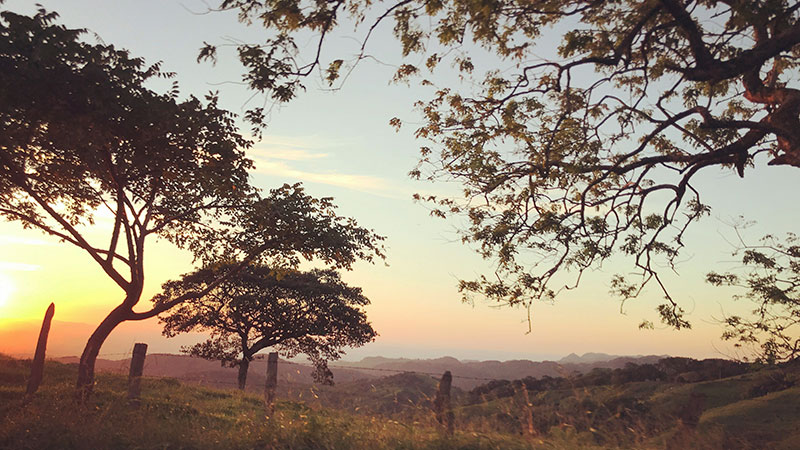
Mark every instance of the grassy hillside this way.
pixel 757 409
pixel 404 396
pixel 752 410
pixel 178 416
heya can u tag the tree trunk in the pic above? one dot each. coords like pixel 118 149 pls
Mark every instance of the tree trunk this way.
pixel 85 382
pixel 243 366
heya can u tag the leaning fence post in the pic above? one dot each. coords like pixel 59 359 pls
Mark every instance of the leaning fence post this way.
pixel 37 366
pixel 272 383
pixel 135 374
pixel 441 404
pixel 525 402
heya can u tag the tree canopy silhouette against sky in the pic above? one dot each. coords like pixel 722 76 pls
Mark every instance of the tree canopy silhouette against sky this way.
pixel 311 313
pixel 569 158
pixel 81 133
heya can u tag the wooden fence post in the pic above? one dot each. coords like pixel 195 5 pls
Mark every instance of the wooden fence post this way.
pixel 271 384
pixel 441 404
pixel 527 407
pixel 37 365
pixel 135 374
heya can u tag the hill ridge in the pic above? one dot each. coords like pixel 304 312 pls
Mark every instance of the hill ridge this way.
pixel 466 374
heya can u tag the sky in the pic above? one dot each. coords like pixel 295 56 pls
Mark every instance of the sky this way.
pixel 340 144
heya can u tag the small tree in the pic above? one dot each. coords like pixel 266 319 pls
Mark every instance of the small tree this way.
pixel 772 283
pixel 314 313
pixel 80 133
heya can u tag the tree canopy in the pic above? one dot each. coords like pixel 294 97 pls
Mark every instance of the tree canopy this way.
pixel 771 333
pixel 82 135
pixel 588 151
pixel 312 313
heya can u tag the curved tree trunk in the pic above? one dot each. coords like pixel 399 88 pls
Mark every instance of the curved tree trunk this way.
pixel 244 364
pixel 85 382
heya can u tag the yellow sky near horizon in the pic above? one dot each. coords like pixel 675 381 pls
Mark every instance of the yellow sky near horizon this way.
pixel 414 320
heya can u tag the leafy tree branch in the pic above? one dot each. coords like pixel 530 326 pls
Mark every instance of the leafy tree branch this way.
pixel 593 151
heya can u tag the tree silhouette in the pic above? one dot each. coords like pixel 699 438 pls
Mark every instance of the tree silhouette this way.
pixel 772 283
pixel 81 134
pixel 587 152
pixel 314 313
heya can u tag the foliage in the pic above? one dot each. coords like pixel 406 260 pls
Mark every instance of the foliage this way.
pixel 81 136
pixel 772 283
pixel 585 152
pixel 314 313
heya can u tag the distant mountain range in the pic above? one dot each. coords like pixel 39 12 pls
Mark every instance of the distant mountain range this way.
pixel 292 375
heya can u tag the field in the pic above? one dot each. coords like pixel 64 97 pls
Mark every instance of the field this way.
pixel 757 409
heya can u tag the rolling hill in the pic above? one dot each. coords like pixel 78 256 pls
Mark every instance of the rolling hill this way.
pixel 297 375
pixel 759 408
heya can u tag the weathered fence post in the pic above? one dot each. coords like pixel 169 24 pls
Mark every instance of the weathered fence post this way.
pixel 441 404
pixel 525 403
pixel 135 374
pixel 37 366
pixel 271 384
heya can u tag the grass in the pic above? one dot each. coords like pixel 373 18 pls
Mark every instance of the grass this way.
pixel 177 416
pixel 772 418
pixel 174 415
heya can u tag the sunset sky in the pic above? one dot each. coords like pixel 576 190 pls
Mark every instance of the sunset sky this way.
pixel 340 144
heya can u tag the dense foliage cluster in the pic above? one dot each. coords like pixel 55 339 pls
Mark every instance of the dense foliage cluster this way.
pixel 314 313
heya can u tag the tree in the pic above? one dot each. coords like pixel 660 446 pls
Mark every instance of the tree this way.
pixel 568 159
pixel 314 313
pixel 772 283
pixel 80 133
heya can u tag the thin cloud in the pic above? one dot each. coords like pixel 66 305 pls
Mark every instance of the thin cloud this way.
pixel 366 183
pixel 285 153
pixel 15 266
pixel 303 142
pixel 275 154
